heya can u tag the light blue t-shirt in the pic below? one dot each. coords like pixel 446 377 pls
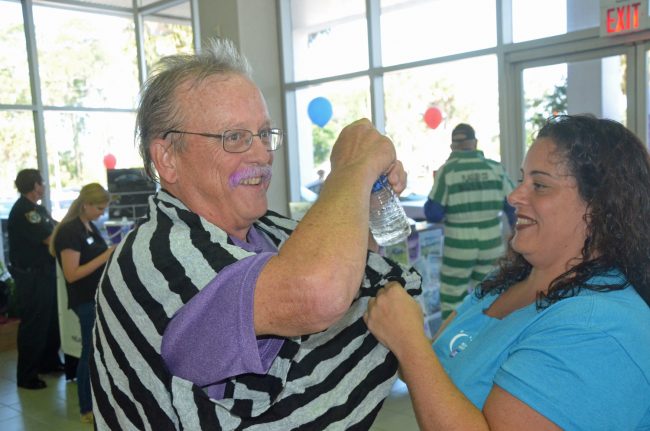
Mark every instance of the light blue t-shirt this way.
pixel 583 362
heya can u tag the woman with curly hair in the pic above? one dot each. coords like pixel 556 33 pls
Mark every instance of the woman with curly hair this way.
pixel 558 337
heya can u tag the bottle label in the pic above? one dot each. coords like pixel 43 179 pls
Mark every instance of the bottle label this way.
pixel 381 182
pixel 388 222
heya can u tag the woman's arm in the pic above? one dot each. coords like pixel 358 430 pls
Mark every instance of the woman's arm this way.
pixel 396 320
pixel 72 271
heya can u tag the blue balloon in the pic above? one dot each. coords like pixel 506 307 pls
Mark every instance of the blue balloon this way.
pixel 320 111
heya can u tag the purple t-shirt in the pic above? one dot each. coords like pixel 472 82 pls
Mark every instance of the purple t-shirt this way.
pixel 212 337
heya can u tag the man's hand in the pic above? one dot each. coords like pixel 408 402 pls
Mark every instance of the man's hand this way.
pixel 397 177
pixel 361 147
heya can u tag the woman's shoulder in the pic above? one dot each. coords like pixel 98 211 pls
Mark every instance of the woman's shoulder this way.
pixel 623 304
pixel 70 227
pixel 600 308
pixel 620 316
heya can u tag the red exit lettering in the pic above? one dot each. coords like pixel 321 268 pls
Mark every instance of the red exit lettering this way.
pixel 623 18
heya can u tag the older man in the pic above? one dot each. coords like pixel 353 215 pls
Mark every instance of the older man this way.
pixel 205 311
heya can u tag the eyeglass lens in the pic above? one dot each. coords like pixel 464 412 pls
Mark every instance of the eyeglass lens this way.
pixel 238 141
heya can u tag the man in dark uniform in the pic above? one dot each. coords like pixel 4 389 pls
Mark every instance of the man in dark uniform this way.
pixel 33 268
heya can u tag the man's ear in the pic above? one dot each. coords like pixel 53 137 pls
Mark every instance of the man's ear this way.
pixel 164 159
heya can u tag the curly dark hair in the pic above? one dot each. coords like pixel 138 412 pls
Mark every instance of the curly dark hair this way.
pixel 612 171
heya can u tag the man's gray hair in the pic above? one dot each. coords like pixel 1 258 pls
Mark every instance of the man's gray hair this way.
pixel 159 111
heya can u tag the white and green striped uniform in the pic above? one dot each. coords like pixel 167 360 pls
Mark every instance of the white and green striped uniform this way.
pixel 472 190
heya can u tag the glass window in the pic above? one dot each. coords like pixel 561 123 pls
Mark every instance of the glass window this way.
pixel 415 29
pixel 544 96
pixel 459 91
pixel 78 144
pixel 166 36
pixel 18 151
pixel 14 71
pixel 598 87
pixel 322 111
pixel 86 59
pixel 535 20
pixel 594 86
pixel 89 86
pixel 330 37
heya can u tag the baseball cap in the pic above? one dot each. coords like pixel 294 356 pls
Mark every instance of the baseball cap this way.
pixel 463 129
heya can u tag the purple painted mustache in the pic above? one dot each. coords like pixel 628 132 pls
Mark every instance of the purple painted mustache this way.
pixel 250 172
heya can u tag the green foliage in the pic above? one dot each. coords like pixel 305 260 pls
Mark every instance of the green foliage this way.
pixel 549 104
pixel 73 62
pixel 323 139
pixel 71 82
pixel 17 146
pixel 165 39
pixel 348 106
pixel 14 81
pixel 404 126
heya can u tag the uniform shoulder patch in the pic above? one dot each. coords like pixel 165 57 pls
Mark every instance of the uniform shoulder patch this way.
pixel 33 217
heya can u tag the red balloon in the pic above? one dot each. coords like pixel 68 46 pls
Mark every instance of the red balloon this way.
pixel 109 161
pixel 433 117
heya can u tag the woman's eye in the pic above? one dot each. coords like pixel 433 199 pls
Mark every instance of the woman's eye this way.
pixel 539 186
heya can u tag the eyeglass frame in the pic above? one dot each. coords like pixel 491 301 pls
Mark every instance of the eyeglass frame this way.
pixel 271 131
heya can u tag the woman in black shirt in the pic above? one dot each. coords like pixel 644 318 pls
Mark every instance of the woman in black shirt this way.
pixel 82 253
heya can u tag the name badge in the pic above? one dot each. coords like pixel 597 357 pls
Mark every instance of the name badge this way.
pixel 90 240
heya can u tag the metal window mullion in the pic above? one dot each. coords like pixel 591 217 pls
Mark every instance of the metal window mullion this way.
pixel 637 90
pixel 81 5
pixel 138 22
pixel 196 26
pixel 511 146
pixel 37 101
pixel 513 133
pixel 290 113
pixel 154 8
pixel 376 76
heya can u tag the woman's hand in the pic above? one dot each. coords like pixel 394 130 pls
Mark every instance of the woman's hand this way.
pixel 73 271
pixel 395 318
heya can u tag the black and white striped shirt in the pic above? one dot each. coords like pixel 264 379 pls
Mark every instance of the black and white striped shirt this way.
pixel 332 380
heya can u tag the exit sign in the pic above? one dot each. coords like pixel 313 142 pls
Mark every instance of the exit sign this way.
pixel 623 16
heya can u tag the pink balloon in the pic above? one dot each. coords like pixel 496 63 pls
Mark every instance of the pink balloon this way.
pixel 433 117
pixel 110 161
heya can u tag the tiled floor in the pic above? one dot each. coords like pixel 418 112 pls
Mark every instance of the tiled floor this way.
pixel 396 414
pixel 55 408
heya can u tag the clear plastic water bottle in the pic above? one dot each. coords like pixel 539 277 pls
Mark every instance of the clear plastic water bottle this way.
pixel 388 222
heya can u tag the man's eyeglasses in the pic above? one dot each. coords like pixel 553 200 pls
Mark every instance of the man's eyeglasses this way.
pixel 240 140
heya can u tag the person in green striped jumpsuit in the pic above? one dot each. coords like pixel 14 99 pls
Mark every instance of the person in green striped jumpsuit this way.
pixel 469 193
